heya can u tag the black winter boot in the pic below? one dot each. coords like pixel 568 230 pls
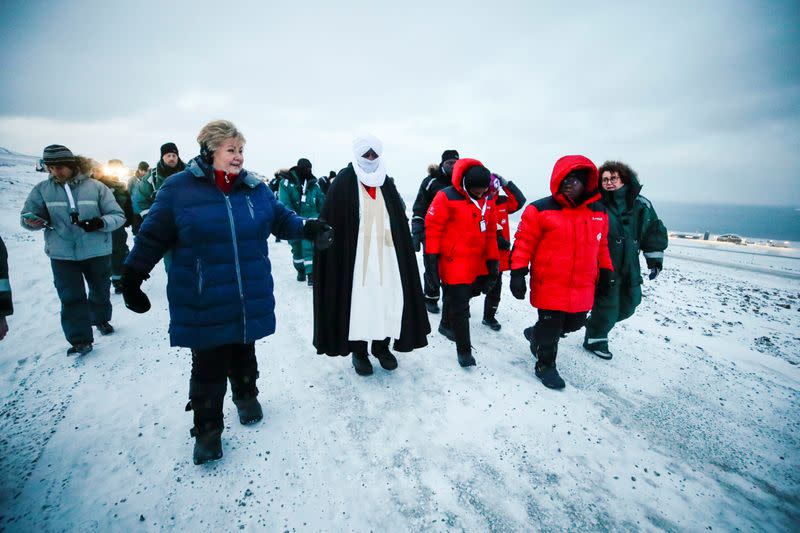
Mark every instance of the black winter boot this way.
pixel 245 398
pixel 492 322
pixel 545 368
pixel 465 359
pixel 206 401
pixel 447 332
pixel 380 349
pixel 432 306
pixel 600 349
pixel 528 334
pixel 361 364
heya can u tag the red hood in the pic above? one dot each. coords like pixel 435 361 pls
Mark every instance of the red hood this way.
pixel 564 166
pixel 461 166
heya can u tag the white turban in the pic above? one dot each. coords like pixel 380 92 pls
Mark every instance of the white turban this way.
pixel 370 173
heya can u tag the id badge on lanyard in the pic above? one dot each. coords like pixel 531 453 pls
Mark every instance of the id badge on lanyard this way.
pixel 482 210
pixel 483 226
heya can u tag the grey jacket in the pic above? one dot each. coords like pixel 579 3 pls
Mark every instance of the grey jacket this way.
pixel 62 238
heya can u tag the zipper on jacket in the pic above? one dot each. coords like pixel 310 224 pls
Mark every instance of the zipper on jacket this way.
pixel 250 207
pixel 199 272
pixel 238 269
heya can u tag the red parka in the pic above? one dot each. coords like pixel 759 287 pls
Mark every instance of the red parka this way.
pixel 453 230
pixel 564 245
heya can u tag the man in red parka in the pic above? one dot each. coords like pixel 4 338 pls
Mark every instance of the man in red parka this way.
pixel 562 238
pixel 461 242
pixel 507 199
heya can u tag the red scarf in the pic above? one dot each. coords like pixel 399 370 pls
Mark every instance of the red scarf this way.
pixel 224 180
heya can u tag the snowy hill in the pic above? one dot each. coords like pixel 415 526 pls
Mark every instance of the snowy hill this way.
pixel 692 426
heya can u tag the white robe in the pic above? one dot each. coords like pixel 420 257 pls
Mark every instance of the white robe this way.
pixel 376 309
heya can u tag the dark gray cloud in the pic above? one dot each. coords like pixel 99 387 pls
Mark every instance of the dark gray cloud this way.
pixel 702 98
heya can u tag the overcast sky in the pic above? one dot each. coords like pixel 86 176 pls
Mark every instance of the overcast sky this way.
pixel 701 98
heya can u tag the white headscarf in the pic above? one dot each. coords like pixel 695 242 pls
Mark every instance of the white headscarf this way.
pixel 370 173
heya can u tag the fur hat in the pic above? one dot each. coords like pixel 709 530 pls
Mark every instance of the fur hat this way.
pixel 169 148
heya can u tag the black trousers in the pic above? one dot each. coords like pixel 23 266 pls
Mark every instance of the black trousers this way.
pixel 211 369
pixel 549 328
pixel 455 313
pixel 492 300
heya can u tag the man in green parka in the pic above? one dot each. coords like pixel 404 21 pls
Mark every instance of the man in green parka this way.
pixel 300 192
pixel 632 226
pixel 112 176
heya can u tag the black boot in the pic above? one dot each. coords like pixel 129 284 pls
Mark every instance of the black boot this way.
pixel 380 349
pixel 206 402
pixel 465 359
pixel 117 283
pixel 528 334
pixel 492 322
pixel 245 398
pixel 361 364
pixel 301 275
pixel 545 368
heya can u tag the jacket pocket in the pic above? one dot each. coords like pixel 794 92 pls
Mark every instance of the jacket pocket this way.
pixel 199 274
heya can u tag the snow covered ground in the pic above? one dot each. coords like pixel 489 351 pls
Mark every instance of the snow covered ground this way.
pixel 692 426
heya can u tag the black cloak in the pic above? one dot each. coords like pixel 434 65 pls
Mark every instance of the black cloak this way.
pixel 333 269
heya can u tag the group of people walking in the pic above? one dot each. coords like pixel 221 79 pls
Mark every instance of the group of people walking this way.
pixel 210 220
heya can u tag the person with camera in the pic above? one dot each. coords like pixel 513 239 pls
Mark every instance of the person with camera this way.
pixel 77 215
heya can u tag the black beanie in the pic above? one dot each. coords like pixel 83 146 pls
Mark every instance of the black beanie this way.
pixel 169 148
pixel 58 154
pixel 477 176
pixel 449 154
pixel 304 163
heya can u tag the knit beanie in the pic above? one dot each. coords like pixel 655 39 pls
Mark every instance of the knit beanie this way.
pixel 304 163
pixel 449 154
pixel 58 154
pixel 169 148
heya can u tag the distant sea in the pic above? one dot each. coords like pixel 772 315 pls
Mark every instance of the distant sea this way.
pixel 759 222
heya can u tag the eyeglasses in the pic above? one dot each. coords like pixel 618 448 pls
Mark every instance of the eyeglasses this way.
pixel 613 179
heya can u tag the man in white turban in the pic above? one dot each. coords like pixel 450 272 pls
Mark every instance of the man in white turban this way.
pixel 367 286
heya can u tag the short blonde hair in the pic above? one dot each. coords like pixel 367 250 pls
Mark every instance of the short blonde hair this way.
pixel 216 132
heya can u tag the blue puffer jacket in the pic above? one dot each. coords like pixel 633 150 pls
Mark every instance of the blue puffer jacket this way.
pixel 220 287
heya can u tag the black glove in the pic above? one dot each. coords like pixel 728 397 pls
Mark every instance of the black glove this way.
pixel 519 285
pixel 318 231
pixel 494 274
pixel 432 273
pixel 131 282
pixel 655 267
pixel 606 280
pixel 93 224
pixel 417 239
pixel 502 243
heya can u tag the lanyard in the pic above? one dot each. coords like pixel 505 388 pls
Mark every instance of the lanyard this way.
pixel 482 210
pixel 72 206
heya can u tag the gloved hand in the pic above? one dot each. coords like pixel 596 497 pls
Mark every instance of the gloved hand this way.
pixel 605 282
pixel 318 231
pixel 135 300
pixel 502 243
pixel 417 239
pixel 92 224
pixel 503 182
pixel 655 267
pixel 519 285
pixel 432 273
pixel 494 274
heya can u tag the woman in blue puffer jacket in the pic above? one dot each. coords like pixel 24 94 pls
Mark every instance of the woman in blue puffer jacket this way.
pixel 216 219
